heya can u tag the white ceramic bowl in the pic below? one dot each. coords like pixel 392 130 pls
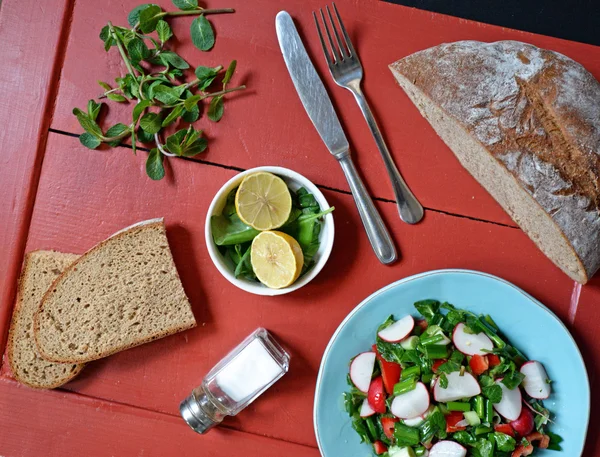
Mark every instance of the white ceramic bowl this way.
pixel 295 181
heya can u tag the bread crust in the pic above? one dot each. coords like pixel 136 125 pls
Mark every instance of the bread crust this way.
pixel 537 112
pixel 153 223
pixel 10 345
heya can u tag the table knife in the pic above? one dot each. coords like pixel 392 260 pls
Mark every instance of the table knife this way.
pixel 320 110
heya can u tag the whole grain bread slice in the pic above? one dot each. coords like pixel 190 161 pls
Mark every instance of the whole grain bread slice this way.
pixel 40 269
pixel 525 122
pixel 122 293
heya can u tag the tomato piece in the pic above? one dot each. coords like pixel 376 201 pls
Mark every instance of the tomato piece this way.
pixel 390 372
pixel 388 424
pixel 452 419
pixel 505 428
pixel 379 447
pixel 437 364
pixel 524 424
pixel 493 360
pixel 479 364
pixel 376 395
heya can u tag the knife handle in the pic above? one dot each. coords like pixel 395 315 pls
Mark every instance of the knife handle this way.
pixel 377 232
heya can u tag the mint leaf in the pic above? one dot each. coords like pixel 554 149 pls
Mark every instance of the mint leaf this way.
pixel 89 141
pixel 116 130
pixel 163 30
pixel 139 109
pixel 87 124
pixel 151 123
pixel 229 73
pixel 216 108
pixel 172 116
pixel 154 165
pixel 195 147
pixel 149 18
pixel 116 97
pixel 513 379
pixel 93 109
pixel 145 137
pixel 191 102
pixel 206 75
pixel 104 85
pixel 186 5
pixel 493 392
pixel 191 115
pixel 137 50
pixel 170 58
pixel 165 94
pixel 174 142
pixel 202 33
pixel 134 16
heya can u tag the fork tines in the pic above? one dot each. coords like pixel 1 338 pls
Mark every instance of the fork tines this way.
pixel 339 52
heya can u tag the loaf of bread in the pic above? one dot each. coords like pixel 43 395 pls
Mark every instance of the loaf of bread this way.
pixel 525 122
pixel 122 293
pixel 40 269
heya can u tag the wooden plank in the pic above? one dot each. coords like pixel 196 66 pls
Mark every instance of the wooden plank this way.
pixel 585 330
pixel 30 34
pixel 57 424
pixel 267 124
pixel 85 196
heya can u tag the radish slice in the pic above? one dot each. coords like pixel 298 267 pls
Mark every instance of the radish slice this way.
pixel 471 343
pixel 365 409
pixel 412 403
pixel 510 406
pixel 398 330
pixel 414 422
pixel 361 370
pixel 465 386
pixel 536 380
pixel 447 449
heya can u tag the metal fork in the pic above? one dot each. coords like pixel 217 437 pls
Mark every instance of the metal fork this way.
pixel 347 71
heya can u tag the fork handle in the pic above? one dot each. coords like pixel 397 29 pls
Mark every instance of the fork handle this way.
pixel 377 232
pixel 409 207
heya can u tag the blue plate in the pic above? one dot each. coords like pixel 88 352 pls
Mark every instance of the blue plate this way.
pixel 528 324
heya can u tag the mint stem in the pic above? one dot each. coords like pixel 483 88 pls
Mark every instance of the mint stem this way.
pixel 198 12
pixel 121 49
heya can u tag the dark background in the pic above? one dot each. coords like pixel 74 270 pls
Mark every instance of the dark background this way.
pixel 576 20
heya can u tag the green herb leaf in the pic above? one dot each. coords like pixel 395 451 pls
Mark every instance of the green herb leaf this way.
pixel 107 38
pixel 151 123
pixel 513 379
pixel 163 30
pixel 229 73
pixel 139 109
pixel 186 5
pixel 231 230
pixel 89 141
pixel 116 97
pixel 104 85
pixel 206 75
pixel 172 116
pixel 134 16
pixel 88 124
pixel 505 443
pixel 485 448
pixel 192 115
pixel 443 381
pixel 191 102
pixel 145 137
pixel 202 33
pixel 170 58
pixel 154 165
pixel 216 108
pixel 493 392
pixel 165 94
pixel 428 308
pixel 93 109
pixel 555 441
pixel 149 18
pixel 137 50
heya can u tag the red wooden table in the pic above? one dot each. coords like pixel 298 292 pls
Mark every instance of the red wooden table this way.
pixel 58 195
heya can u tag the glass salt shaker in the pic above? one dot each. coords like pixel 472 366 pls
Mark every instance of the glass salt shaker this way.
pixel 236 381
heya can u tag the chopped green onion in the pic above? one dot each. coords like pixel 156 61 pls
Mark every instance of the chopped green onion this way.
pixel 458 406
pixel 372 429
pixel 405 435
pixel 432 339
pixel 405 386
pixel 472 418
pixel 489 411
pixel 480 406
pixel 410 371
pixel 482 429
pixel 427 377
pixel 410 343
pixel 420 451
pixel 436 351
pixel 491 322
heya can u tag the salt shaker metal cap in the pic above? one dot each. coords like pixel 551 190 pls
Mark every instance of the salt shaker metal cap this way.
pixel 236 381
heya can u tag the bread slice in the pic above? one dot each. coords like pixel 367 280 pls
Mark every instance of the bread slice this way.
pixel 525 122
pixel 40 269
pixel 122 293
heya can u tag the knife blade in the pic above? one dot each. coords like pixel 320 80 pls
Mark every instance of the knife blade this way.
pixel 309 86
pixel 320 110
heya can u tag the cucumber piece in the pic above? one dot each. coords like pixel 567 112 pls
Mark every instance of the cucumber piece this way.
pixel 409 343
pixel 472 418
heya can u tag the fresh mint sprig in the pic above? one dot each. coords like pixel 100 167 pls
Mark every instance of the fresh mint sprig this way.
pixel 153 82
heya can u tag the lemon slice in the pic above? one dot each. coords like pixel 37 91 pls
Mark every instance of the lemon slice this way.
pixel 276 259
pixel 263 201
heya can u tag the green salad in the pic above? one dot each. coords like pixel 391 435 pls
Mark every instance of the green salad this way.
pixel 448 384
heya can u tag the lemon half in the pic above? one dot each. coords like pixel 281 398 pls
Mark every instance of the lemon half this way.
pixel 276 258
pixel 263 201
